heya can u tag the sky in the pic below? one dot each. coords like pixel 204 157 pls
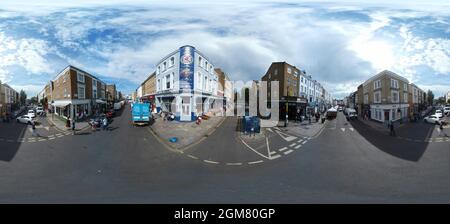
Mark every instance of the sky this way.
pixel 340 44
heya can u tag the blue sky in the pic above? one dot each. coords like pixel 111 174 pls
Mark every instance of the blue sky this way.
pixel 339 44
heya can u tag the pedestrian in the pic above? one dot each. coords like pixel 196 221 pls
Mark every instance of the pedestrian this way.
pixel 441 129
pixel 105 123
pixel 392 130
pixel 73 126
pixel 33 127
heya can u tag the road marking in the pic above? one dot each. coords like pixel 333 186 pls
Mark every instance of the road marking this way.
pixel 268 147
pixel 31 140
pixel 282 149
pixel 255 162
pixel 47 128
pixel 269 129
pixel 272 152
pixel 343 129
pixel 287 152
pixel 254 150
pixel 10 140
pixel 275 157
pixel 286 137
pixel 41 140
pixel 209 161
pixel 276 128
pixel 234 164
pixel 299 141
pixel 298 146
pixel 193 157
pixel 51 138
pixel 292 145
pixel 59 136
pixel 351 129
pixel 304 142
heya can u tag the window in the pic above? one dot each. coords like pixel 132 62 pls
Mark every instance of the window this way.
pixel 94 83
pixel 377 97
pixel 65 92
pixel 205 82
pixel 394 83
pixel 289 70
pixel 158 86
pixel 80 77
pixel 64 78
pixel 295 73
pixel 302 78
pixel 158 70
pixel 94 93
pixel 206 65
pixel 394 96
pixel 276 72
pixel 172 61
pixel 200 61
pixel 199 80
pixel 164 66
pixel 81 90
pixel 405 87
pixel 167 81
pixel 405 97
pixel 270 76
pixel 377 84
pixel 366 98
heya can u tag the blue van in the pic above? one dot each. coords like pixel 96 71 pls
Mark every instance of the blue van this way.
pixel 140 113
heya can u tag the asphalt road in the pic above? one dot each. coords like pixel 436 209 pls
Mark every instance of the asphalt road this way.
pixel 347 162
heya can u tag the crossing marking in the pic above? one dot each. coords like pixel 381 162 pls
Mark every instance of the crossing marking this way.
pixel 292 145
pixel 276 128
pixel 51 138
pixel 287 152
pixel 343 129
pixel 298 146
pixel 41 140
pixel 304 142
pixel 272 152
pixel 282 149
pixel 269 129
pixel 351 129
pixel 299 141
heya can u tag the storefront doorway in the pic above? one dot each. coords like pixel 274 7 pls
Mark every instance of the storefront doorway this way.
pixel 185 108
pixel 386 115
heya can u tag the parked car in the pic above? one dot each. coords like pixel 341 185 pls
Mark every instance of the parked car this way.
pixel 350 114
pixel 25 119
pixel 433 119
pixel 31 113
pixel 439 113
pixel 447 110
pixel 39 110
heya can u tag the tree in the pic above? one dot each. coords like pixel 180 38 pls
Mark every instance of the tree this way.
pixel 448 101
pixel 22 97
pixel 430 97
pixel 34 100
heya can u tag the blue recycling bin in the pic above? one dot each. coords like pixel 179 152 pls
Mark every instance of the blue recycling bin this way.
pixel 249 123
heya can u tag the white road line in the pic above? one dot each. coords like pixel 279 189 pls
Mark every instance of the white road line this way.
pixel 343 129
pixel 254 150
pixel 299 141
pixel 234 164
pixel 304 142
pixel 255 162
pixel 193 157
pixel 272 152
pixel 275 157
pixel 31 140
pixel 269 129
pixel 51 138
pixel 298 146
pixel 292 145
pixel 209 161
pixel 276 128
pixel 286 137
pixel 351 129
pixel 60 136
pixel 268 148
pixel 41 140
pixel 282 149
pixel 287 152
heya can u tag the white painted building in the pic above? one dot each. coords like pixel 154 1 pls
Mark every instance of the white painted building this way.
pixel 186 84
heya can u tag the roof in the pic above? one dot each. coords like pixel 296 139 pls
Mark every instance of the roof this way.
pixel 385 72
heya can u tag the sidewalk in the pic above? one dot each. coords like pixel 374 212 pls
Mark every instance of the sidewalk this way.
pixel 187 133
pixel 303 128
pixel 381 127
pixel 59 124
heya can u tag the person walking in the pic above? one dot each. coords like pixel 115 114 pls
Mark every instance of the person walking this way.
pixel 33 128
pixel 441 129
pixel 105 123
pixel 73 126
pixel 392 130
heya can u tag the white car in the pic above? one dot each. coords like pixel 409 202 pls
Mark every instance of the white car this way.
pixel 447 110
pixel 438 113
pixel 39 110
pixel 433 119
pixel 31 113
pixel 26 119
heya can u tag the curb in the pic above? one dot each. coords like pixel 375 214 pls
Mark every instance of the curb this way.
pixel 59 129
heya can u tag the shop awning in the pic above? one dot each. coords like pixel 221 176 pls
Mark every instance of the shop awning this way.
pixel 60 104
pixel 100 101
